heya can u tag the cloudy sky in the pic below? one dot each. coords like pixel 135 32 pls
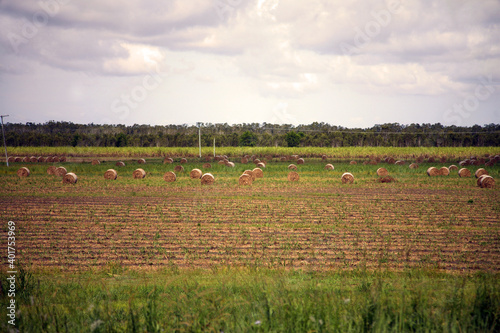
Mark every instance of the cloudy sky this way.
pixel 350 63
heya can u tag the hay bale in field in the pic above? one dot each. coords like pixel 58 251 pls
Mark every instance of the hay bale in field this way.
pixel 170 177
pixel 329 167
pixel 41 159
pixel 382 172
pixel 293 176
pixel 179 168
pixel 432 172
pixel 33 159
pixel 111 174
pixel 258 173
pixel 207 166
pixel 487 181
pixel 70 178
pixel 479 172
pixel 120 164
pixel 207 179
pixel 245 179
pixel 244 160
pixel 221 162
pixel 400 162
pixel 49 159
pixel 51 170
pixel 11 159
pixel 490 163
pixel 283 159
pixel 18 159
pixel 168 160
pixel 300 161
pixel 431 160
pixel 261 165
pixel 256 161
pixel 56 159
pixel 453 168
pixel 353 163
pixel 139 173
pixel 95 162
pixel 26 159
pixel 323 157
pixel 195 174
pixel 230 164
pixel 413 166
pixel 250 173
pixel 141 161
pixel 390 160
pixel 419 159
pixel 386 179
pixel 444 171
pixel 295 157
pixel 292 167
pixel 184 160
pixel 61 171
pixel 464 172
pixel 23 172
pixel 62 159
pixel 347 178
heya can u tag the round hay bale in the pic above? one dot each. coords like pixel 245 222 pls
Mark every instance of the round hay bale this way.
pixel 382 172
pixel 179 168
pixel 390 160
pixel 420 159
pixel 487 181
pixel 11 159
pixel 70 178
pixel 432 172
pixel 413 166
pixel 329 167
pixel 62 159
pixel 347 178
pixel 168 160
pixel 293 176
pixel 18 159
pixel 33 159
pixel 400 162
pixel 464 172
pixel 244 160
pixel 256 161
pixel 61 171
pixel 283 159
pixel 111 174
pixel 353 163
pixel 207 179
pixel 245 179
pixel 170 177
pixel 453 168
pixel 139 173
pixel 221 162
pixel 184 160
pixel 195 174
pixel 95 162
pixel 295 157
pixel 431 160
pixel 250 173
pixel 26 159
pixel 490 163
pixel 478 181
pixel 41 159
pixel 230 164
pixel 479 172
pixel 444 171
pixel 386 179
pixel 120 164
pixel 300 161
pixel 323 157
pixel 261 165
pixel 56 159
pixel 258 173
pixel 207 166
pixel 51 170
pixel 141 161
pixel 23 172
pixel 292 167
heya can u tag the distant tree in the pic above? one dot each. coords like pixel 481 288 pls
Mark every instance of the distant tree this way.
pixel 292 139
pixel 121 140
pixel 248 139
pixel 75 140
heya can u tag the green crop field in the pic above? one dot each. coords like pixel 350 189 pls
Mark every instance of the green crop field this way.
pixel 418 253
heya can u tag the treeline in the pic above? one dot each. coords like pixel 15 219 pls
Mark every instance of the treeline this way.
pixel 265 135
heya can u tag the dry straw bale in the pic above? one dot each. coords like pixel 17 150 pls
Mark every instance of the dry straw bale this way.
pixel 432 171
pixel 195 174
pixel 179 168
pixel 51 170
pixel 184 160
pixel 444 171
pixel 258 173
pixel 170 177
pixel 230 164
pixel 261 165
pixel 207 179
pixel 323 157
pixel 33 159
pixel 62 159
pixel 479 172
pixel 18 159
pixel 390 160
pixel 207 166
pixel 245 179
pixel 168 160
pixel 221 162
pixel 386 179
pixel 283 159
pixel 453 168
pixel 95 162
pixel 293 176
pixel 61 171
pixel 464 172
pixel 487 181
pixel 26 159
pixel 11 159
pixel 300 161
pixel 382 172
pixel 431 160
pixel 70 178
pixel 141 161
pixel 329 167
pixel 244 160
pixel 295 157
pixel 400 162
pixel 41 159
pixel 347 178
pixel 56 159
pixel 292 167
pixel 490 163
pixel 139 173
pixel 23 172
pixel 250 173
pixel 413 166
pixel 420 159
pixel 111 174
pixel 120 164
pixel 353 163
pixel 256 161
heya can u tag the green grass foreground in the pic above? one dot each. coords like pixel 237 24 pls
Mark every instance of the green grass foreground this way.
pixel 255 300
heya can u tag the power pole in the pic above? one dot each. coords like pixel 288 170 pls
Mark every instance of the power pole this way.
pixel 4 144
pixel 199 136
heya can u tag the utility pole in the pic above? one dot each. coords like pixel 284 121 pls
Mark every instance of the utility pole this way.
pixel 4 144
pixel 199 136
